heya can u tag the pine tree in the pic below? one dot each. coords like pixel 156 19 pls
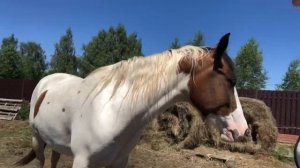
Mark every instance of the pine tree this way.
pixel 64 58
pixel 33 57
pixel 291 80
pixel 109 47
pixel 198 40
pixel 10 60
pixel 175 44
pixel 249 68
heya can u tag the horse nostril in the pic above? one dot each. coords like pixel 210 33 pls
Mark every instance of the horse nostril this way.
pixel 247 132
pixel 235 134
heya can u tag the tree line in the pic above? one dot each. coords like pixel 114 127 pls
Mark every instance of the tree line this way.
pixel 27 60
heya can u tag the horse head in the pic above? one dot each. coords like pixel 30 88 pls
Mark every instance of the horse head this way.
pixel 233 127
pixel 212 89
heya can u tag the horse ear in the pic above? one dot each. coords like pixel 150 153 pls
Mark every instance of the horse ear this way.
pixel 221 48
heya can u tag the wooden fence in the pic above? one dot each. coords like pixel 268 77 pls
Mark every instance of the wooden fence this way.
pixel 17 88
pixel 285 106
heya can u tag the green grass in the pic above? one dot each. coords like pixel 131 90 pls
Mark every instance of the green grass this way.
pixel 284 153
pixel 15 134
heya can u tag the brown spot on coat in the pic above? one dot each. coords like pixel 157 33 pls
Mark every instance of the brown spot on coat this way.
pixel 38 103
pixel 63 109
pixel 185 65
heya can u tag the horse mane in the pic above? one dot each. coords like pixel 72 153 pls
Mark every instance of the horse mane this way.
pixel 147 75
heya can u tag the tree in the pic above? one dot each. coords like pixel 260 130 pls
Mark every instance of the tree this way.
pixel 64 59
pixel 198 40
pixel 109 47
pixel 291 80
pixel 10 60
pixel 249 68
pixel 33 57
pixel 175 44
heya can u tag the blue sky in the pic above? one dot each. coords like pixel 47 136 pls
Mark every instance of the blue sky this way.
pixel 275 24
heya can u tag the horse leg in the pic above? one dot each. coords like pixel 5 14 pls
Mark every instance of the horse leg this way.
pixel 38 145
pixel 80 161
pixel 54 158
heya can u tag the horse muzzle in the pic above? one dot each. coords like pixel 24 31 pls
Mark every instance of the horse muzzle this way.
pixel 234 135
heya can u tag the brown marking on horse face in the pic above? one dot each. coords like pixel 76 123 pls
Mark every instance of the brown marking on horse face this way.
pixel 212 80
pixel 38 103
pixel 212 91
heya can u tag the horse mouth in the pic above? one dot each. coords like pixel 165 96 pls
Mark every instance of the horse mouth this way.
pixel 230 135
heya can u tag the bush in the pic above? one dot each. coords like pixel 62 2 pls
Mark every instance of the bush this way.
pixel 23 113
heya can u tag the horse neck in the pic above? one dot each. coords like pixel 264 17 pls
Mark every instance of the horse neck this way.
pixel 162 87
pixel 143 86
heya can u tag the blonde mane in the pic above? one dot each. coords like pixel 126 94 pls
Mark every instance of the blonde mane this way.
pixel 145 76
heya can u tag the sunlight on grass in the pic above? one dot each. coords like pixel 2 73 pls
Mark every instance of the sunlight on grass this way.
pixel 284 153
pixel 15 134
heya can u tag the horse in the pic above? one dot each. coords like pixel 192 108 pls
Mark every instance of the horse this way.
pixel 99 119
pixel 297 153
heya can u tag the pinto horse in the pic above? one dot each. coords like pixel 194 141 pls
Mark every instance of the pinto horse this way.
pixel 99 119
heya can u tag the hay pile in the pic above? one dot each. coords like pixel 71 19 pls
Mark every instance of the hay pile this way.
pixel 183 127
pixel 262 123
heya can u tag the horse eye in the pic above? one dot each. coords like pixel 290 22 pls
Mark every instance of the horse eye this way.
pixel 232 81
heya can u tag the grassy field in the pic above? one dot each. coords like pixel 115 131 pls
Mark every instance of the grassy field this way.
pixel 15 142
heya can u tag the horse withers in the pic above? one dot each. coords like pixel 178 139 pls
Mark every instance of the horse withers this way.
pixel 99 119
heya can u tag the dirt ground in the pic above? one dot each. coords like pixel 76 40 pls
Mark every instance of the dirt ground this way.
pixel 15 143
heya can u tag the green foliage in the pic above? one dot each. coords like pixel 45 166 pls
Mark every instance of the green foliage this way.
pixel 291 80
pixel 64 59
pixel 109 47
pixel 249 68
pixel 198 40
pixel 23 113
pixel 284 153
pixel 10 60
pixel 175 44
pixel 34 64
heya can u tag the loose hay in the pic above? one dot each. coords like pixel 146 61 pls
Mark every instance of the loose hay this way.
pixel 183 127
pixel 260 118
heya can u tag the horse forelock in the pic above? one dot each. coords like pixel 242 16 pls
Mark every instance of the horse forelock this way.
pixel 146 76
